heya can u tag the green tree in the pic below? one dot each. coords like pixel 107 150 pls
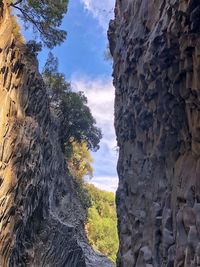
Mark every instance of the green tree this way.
pixel 80 165
pixel 45 17
pixel 80 162
pixel 101 227
pixel 78 124
pixel 56 84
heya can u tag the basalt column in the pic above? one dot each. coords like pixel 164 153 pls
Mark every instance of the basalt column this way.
pixel 156 50
pixel 41 217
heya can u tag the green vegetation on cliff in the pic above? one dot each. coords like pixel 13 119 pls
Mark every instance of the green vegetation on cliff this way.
pixel 45 17
pixel 101 227
pixel 79 134
pixel 78 123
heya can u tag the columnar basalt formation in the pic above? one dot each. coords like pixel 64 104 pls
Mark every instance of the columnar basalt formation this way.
pixel 41 218
pixel 156 51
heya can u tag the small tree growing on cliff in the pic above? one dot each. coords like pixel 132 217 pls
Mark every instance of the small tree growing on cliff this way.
pixel 56 83
pixel 78 124
pixel 45 17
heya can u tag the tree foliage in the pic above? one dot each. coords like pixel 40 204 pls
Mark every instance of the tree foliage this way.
pixel 78 124
pixel 80 162
pixel 102 222
pixel 83 194
pixel 45 17
pixel 33 47
pixel 80 165
pixel 56 84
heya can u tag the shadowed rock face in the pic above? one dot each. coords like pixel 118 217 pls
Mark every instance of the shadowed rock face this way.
pixel 156 51
pixel 41 218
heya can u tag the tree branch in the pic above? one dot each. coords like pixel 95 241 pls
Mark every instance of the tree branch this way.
pixel 16 3
pixel 27 16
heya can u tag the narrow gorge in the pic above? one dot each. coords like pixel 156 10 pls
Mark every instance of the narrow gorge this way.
pixel 155 46
pixel 156 50
pixel 41 217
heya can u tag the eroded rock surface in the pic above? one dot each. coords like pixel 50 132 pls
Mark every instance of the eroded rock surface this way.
pixel 41 218
pixel 156 51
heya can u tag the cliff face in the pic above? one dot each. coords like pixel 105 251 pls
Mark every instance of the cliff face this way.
pixel 156 51
pixel 41 218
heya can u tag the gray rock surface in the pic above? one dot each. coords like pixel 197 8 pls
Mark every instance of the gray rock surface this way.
pixel 156 51
pixel 41 217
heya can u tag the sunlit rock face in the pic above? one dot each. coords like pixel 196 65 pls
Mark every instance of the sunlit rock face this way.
pixel 41 218
pixel 156 51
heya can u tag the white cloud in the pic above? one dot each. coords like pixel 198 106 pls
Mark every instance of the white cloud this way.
pixel 102 10
pixel 100 94
pixel 108 183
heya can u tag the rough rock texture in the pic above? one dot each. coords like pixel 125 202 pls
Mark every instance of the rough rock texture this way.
pixel 156 49
pixel 41 218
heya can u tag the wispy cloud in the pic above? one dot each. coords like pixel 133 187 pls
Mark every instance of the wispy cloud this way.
pixel 100 94
pixel 101 10
pixel 108 183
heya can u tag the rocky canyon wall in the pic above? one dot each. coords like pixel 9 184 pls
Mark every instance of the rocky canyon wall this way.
pixel 156 50
pixel 41 217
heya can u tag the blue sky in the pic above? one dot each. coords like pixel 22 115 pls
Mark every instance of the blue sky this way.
pixel 81 59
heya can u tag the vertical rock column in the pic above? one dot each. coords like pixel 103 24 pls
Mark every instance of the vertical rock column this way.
pixel 41 216
pixel 25 148
pixel 156 51
pixel 33 173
